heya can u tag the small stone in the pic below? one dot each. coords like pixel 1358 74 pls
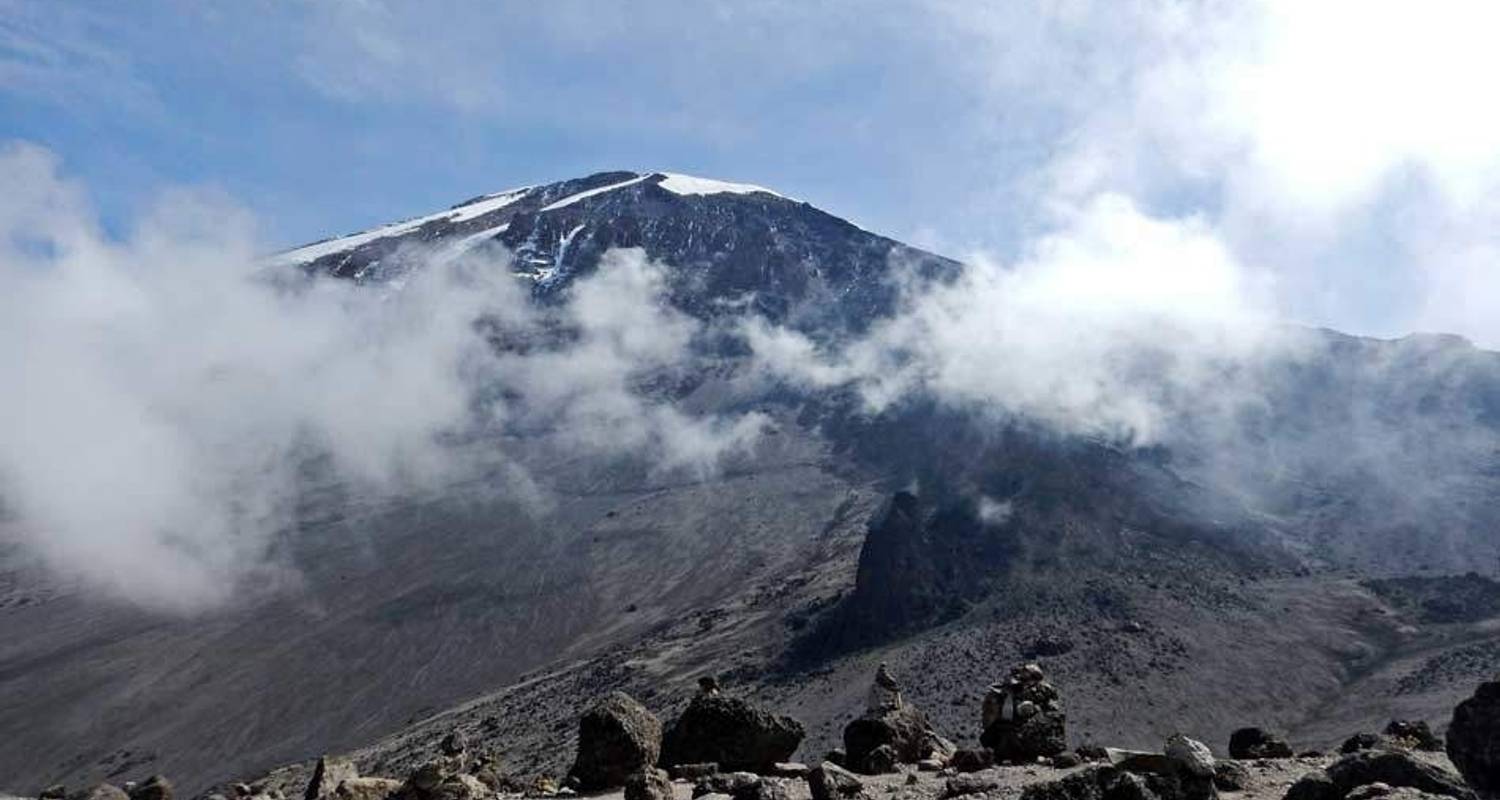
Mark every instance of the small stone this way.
pixel 329 772
pixel 1315 785
pixel 692 772
pixel 972 759
pixel 880 761
pixel 1066 760
pixel 366 788
pixel 1230 776
pixel 829 781
pixel 648 784
pixel 56 791
pixel 929 765
pixel 1360 741
pixel 970 783
pixel 454 744
pixel 106 791
pixel 789 769
pixel 155 787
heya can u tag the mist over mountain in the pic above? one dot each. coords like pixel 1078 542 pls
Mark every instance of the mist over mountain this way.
pixel 632 428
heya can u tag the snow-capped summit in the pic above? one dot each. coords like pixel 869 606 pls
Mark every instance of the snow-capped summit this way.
pixel 725 244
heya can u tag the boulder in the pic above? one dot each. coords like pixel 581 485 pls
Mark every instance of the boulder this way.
pixel 648 784
pixel 1415 734
pixel 155 787
pixel 617 737
pixel 1252 743
pixel 829 781
pixel 905 729
pixel 1190 755
pixel 732 733
pixel 1230 776
pixel 329 772
pixel 883 760
pixel 972 759
pixel 1315 785
pixel 1394 768
pixel 1361 741
pixel 366 788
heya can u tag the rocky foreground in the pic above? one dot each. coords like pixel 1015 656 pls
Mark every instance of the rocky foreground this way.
pixel 726 748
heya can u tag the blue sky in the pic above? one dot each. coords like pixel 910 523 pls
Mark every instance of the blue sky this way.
pixel 329 117
pixel 1364 188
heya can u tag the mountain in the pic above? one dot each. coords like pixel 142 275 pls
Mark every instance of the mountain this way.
pixel 1287 565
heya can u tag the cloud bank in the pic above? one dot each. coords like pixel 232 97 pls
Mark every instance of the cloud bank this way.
pixel 162 393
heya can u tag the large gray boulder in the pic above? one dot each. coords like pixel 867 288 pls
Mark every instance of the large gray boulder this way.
pixel 1396 769
pixel 905 729
pixel 1474 739
pixel 616 738
pixel 732 733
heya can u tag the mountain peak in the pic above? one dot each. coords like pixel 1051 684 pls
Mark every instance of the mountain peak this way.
pixel 724 244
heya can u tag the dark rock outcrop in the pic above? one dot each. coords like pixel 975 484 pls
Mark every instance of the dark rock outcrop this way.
pixel 1474 739
pixel 731 733
pixel 1252 743
pixel 616 738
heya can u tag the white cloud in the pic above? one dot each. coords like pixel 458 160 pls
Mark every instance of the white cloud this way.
pixel 161 393
pixel 1086 332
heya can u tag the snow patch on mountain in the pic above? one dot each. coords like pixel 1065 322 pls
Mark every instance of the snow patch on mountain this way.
pixel 477 208
pixel 690 185
pixel 573 198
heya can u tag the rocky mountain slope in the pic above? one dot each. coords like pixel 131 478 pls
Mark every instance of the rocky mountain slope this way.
pixel 1220 577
